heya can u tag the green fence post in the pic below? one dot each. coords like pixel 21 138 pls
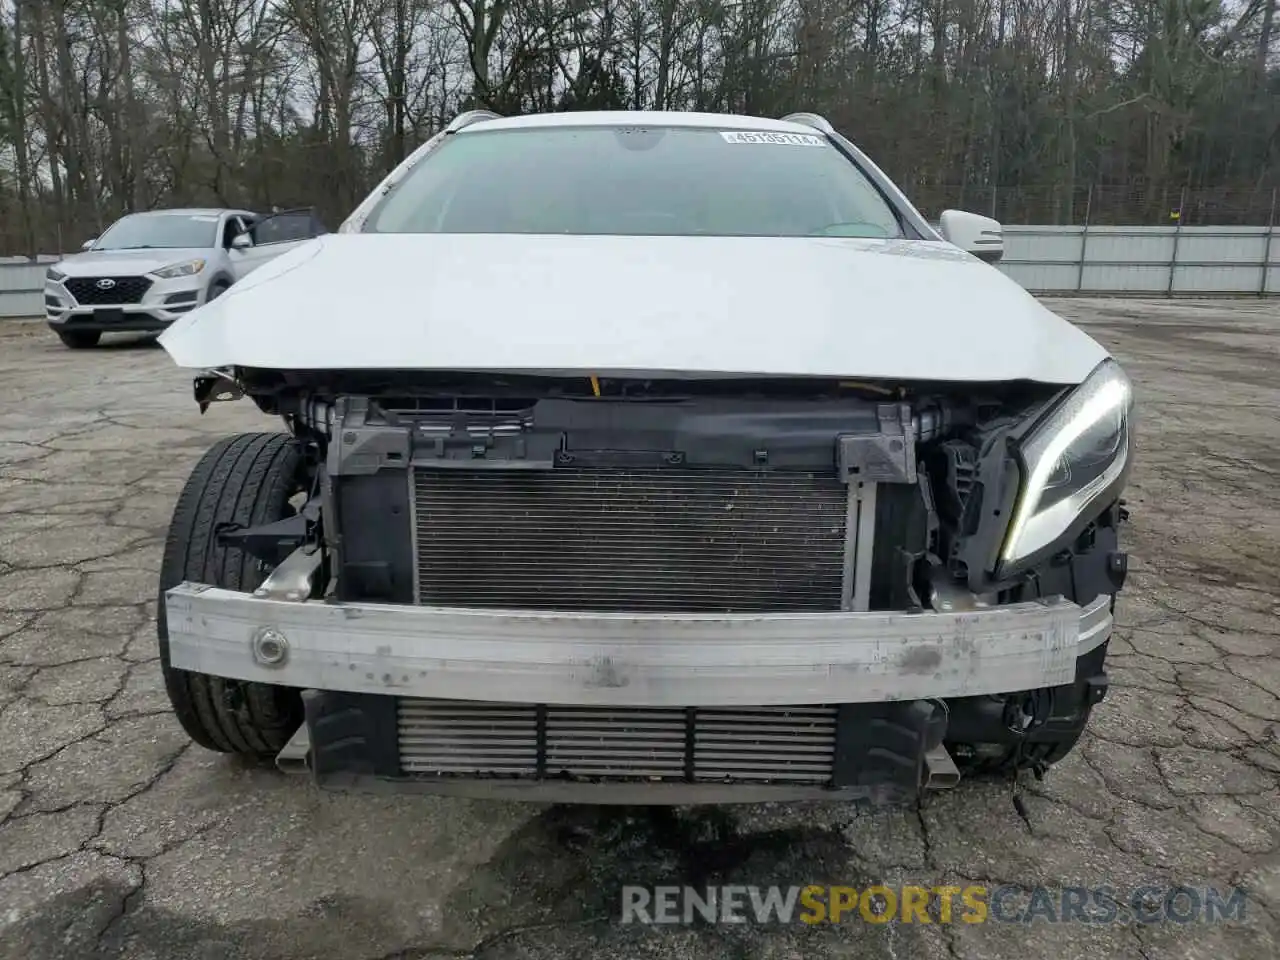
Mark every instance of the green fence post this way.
pixel 1266 249
pixel 1084 240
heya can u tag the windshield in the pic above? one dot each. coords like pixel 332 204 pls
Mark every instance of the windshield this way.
pixel 636 181
pixel 161 231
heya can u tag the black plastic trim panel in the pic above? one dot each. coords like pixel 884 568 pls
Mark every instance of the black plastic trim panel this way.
pixel 375 555
pixel 706 431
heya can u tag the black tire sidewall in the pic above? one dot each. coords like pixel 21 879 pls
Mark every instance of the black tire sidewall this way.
pixel 247 478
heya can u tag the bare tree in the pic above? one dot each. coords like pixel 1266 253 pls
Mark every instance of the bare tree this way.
pixel 1020 108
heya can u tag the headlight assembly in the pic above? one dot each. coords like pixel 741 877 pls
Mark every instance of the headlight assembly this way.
pixel 54 275
pixel 1070 461
pixel 187 268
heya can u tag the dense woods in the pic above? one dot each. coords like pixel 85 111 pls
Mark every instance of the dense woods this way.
pixel 1034 110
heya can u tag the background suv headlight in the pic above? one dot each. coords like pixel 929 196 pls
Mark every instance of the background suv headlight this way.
pixel 1072 460
pixel 55 275
pixel 185 269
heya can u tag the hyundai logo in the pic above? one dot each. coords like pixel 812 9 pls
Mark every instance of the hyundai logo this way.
pixel 106 283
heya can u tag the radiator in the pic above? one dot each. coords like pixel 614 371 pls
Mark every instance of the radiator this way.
pixel 630 539
pixel 757 745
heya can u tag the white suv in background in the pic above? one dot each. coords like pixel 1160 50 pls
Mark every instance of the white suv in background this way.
pixel 150 268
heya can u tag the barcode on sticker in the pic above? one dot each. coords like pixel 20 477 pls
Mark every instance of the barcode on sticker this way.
pixel 789 139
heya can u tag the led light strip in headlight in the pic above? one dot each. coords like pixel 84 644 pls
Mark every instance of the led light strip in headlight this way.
pixel 1070 460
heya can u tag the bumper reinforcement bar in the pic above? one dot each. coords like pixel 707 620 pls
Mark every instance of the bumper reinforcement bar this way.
pixel 631 660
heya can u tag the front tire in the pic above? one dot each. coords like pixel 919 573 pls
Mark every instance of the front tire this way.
pixel 79 339
pixel 246 479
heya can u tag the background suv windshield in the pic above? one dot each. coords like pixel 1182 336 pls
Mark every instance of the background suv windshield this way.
pixel 636 180
pixel 162 231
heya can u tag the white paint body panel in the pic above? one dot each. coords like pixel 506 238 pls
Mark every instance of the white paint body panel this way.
pixel 624 659
pixel 661 306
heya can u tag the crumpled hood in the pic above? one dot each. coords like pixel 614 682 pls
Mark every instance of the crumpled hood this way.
pixel 125 263
pixel 643 306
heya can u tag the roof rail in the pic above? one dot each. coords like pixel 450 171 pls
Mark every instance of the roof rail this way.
pixel 815 120
pixel 470 117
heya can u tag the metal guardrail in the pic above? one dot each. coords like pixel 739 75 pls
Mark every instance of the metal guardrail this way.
pixel 1151 261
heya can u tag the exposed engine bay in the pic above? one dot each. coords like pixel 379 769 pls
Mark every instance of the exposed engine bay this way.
pixel 745 478
pixel 590 497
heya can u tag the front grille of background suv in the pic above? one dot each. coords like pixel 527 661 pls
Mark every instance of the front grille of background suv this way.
pixel 89 294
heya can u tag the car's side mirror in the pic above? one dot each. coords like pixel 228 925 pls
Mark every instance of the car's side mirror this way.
pixel 88 244
pixel 241 241
pixel 973 233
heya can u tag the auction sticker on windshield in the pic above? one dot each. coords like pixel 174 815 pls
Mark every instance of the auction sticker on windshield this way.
pixel 789 139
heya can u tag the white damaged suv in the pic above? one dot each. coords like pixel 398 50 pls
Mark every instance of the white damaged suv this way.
pixel 148 269
pixel 652 458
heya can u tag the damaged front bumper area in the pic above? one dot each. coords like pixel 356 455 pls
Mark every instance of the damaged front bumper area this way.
pixel 631 708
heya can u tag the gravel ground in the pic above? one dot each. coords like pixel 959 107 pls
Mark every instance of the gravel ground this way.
pixel 118 839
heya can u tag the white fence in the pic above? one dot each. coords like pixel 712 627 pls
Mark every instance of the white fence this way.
pixel 1150 261
pixel 1190 261
pixel 22 286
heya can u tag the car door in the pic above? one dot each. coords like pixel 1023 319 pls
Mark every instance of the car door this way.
pixel 272 235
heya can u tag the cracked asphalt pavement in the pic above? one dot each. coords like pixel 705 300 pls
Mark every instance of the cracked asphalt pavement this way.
pixel 119 839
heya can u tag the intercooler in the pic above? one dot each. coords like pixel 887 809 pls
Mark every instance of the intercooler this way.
pixel 645 539
pixel 444 738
